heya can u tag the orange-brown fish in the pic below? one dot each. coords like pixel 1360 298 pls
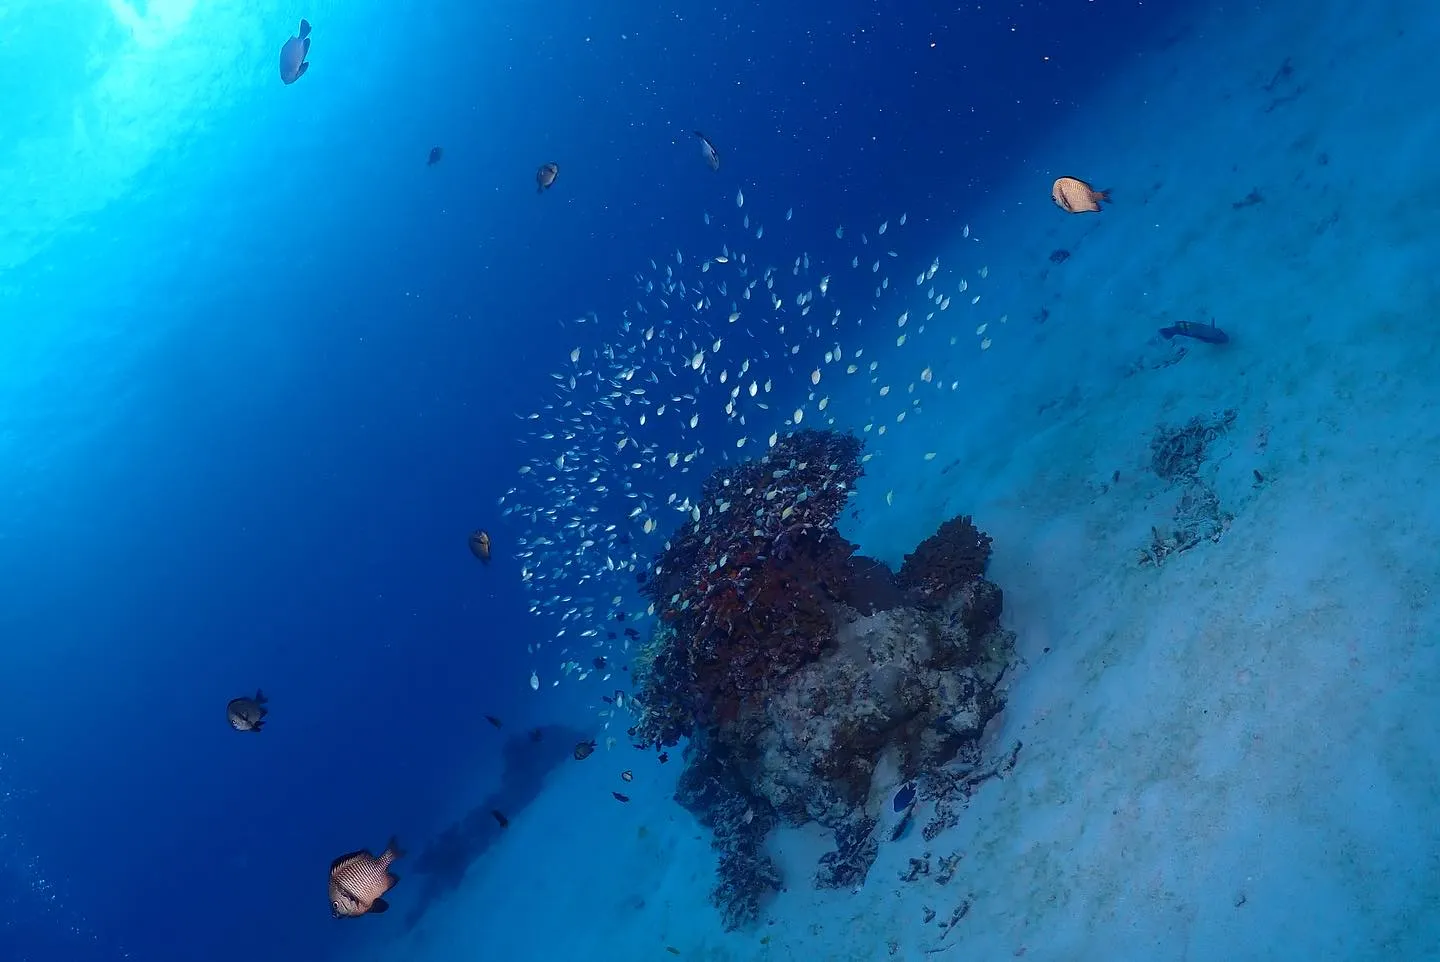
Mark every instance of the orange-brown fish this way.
pixel 1077 197
pixel 359 879
pixel 247 714
pixel 545 176
pixel 480 545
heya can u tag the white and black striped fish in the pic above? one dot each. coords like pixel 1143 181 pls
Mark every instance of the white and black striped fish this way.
pixel 357 881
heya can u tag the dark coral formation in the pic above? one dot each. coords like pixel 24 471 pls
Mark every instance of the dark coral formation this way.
pixel 743 591
pixel 797 668
pixel 745 872
pixel 855 851
pixel 955 555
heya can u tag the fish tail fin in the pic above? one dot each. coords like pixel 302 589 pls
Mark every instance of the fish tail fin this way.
pixel 1103 195
pixel 260 698
pixel 304 29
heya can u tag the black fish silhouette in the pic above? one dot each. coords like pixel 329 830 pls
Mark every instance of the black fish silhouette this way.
pixel 1208 333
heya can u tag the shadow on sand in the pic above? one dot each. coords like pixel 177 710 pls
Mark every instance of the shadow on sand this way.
pixel 527 759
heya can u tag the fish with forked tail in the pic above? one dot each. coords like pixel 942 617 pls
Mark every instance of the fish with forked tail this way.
pixel 1208 333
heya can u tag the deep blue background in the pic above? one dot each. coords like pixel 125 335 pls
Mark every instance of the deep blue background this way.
pixel 277 492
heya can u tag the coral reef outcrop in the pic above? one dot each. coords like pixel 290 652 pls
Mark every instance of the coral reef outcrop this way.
pixel 793 665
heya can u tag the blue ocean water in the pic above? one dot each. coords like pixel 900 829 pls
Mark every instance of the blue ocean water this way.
pixel 263 370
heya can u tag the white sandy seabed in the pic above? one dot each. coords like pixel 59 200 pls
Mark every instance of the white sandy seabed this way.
pixel 1235 755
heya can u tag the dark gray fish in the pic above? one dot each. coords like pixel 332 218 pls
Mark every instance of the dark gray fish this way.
pixel 708 151
pixel 359 879
pixel 435 154
pixel 1208 333
pixel 584 750
pixel 247 714
pixel 545 176
pixel 292 55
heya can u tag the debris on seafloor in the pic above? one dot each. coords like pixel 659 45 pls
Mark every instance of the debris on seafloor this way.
pixel 1176 455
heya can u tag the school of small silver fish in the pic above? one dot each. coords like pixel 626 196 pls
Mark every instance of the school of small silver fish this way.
pixel 628 433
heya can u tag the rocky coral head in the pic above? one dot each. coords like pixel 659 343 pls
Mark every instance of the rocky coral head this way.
pixel 745 588
pixel 951 558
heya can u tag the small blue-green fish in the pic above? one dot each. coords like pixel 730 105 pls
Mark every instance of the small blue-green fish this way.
pixel 292 55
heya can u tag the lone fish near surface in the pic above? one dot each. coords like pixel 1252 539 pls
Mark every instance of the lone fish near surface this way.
pixel 293 53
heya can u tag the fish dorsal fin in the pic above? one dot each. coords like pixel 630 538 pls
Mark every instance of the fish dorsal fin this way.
pixel 304 29
pixel 307 48
pixel 350 857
